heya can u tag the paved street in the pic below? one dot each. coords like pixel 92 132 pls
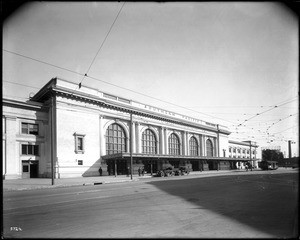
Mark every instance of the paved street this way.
pixel 242 205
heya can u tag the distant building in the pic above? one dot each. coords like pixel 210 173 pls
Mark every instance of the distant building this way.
pixel 72 132
pixel 244 149
pixel 289 162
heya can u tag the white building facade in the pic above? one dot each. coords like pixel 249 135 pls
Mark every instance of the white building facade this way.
pixel 71 132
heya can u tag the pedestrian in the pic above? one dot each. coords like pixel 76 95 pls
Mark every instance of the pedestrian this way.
pixel 139 171
pixel 143 172
pixel 100 171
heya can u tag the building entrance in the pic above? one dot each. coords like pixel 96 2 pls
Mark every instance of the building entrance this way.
pixel 212 165
pixel 150 166
pixel 195 165
pixel 119 165
pixel 30 169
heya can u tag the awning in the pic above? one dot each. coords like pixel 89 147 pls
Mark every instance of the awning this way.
pixel 118 156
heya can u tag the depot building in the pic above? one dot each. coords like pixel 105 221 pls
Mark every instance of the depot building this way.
pixel 69 131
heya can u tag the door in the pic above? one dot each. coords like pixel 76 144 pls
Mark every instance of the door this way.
pixel 25 169
pixel 34 169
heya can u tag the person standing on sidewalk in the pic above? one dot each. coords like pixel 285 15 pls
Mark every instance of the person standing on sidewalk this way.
pixel 139 171
pixel 100 171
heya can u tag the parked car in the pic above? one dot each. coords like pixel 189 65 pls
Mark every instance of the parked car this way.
pixel 184 170
pixel 169 171
pixel 166 172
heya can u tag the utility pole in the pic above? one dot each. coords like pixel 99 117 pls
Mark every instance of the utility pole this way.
pixel 52 140
pixel 290 148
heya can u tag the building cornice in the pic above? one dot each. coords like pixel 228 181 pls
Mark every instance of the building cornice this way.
pixel 25 105
pixel 52 87
pixel 246 143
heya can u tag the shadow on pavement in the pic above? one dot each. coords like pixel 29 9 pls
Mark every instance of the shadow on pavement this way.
pixel 268 203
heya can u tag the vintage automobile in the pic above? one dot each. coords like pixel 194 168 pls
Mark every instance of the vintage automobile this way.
pixel 181 171
pixel 166 172
pixel 169 171
pixel 184 170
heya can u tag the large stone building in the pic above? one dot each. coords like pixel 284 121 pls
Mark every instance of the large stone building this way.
pixel 68 132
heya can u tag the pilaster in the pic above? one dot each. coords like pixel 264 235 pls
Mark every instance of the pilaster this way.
pixel 102 137
pixel 137 138
pixel 12 161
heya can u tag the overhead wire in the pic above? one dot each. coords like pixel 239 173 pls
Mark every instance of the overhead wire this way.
pixel 40 61
pixel 97 79
pixel 85 75
pixel 100 80
pixel 258 114
pixel 20 84
pixel 281 119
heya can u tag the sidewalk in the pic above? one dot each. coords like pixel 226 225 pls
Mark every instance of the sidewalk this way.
pixel 39 183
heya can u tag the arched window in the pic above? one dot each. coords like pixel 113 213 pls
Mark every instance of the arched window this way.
pixel 174 145
pixel 193 146
pixel 115 139
pixel 149 142
pixel 209 148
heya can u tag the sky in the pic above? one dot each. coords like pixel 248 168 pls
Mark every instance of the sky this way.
pixel 229 63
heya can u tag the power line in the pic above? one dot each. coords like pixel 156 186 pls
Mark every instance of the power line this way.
pixel 37 60
pixel 281 120
pixel 24 85
pixel 85 75
pixel 93 78
pixel 258 114
pixel 43 62
pixel 145 95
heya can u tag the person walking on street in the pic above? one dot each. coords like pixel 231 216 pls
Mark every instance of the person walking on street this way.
pixel 139 171
pixel 100 171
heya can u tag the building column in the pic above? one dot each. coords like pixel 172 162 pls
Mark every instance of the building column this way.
pixel 134 137
pixel 12 161
pixel 200 146
pixel 218 142
pixel 102 137
pixel 183 137
pixel 166 141
pixel 187 153
pixel 162 140
pixel 204 145
pixel 137 138
pixel 216 148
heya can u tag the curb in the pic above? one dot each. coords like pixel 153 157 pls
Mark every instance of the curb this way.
pixel 66 185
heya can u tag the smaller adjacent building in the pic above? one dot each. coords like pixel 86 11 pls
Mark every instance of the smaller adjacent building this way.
pixel 245 150
pixel 66 131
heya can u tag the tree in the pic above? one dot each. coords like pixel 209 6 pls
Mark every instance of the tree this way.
pixel 272 155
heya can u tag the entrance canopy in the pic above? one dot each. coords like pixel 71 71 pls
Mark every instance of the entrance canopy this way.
pixel 118 156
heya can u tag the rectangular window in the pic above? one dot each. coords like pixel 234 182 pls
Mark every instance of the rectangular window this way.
pixel 79 143
pixel 29 128
pixel 109 96
pixel 28 149
pixel 124 100
pixel 25 168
